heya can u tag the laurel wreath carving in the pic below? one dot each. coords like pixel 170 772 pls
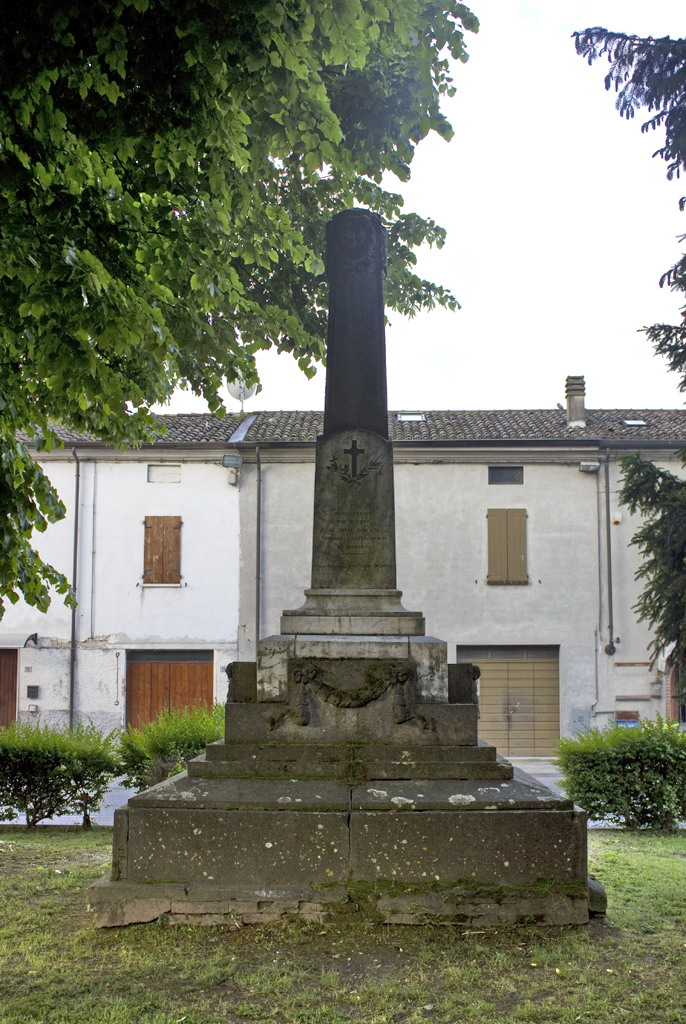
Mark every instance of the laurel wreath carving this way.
pixel 310 678
pixel 373 466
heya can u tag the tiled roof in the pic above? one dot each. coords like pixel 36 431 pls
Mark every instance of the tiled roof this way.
pixel 204 428
pixel 489 426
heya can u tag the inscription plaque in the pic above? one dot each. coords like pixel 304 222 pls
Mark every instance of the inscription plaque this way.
pixel 354 523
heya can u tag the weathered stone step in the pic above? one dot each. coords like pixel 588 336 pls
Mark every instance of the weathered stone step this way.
pixel 221 751
pixel 198 794
pixel 270 767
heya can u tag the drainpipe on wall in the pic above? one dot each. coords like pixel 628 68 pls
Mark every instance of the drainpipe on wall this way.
pixel 610 647
pixel 258 545
pixel 74 570
pixel 597 632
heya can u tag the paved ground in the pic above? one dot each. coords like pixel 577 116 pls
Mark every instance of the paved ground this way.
pixel 116 796
pixel 541 768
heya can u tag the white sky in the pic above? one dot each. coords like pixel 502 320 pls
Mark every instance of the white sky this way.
pixel 559 226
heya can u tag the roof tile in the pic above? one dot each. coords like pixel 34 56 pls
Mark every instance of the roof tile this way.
pixel 438 425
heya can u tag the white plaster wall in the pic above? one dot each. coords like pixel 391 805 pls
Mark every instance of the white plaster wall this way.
pixel 286 545
pixel 627 673
pixel 442 553
pixel 205 607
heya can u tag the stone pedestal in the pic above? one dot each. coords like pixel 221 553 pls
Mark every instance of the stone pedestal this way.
pixel 354 789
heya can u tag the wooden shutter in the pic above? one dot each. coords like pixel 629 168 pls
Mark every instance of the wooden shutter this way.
pixel 516 546
pixel 497 545
pixel 162 549
pixel 507 545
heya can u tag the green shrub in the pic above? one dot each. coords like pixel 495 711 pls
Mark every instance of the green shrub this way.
pixel 91 762
pixel 634 777
pixel 160 749
pixel 46 771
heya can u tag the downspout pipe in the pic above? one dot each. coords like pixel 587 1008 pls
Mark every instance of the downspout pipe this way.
pixel 74 571
pixel 610 647
pixel 258 545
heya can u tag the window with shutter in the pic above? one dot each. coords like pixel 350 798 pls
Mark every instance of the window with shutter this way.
pixel 507 546
pixel 162 550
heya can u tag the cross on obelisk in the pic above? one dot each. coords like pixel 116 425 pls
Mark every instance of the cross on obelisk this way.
pixel 353 451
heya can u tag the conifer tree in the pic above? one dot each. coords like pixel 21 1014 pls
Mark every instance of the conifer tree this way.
pixel 650 74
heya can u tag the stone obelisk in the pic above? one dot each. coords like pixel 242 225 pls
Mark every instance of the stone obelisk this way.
pixel 344 768
pixel 353 588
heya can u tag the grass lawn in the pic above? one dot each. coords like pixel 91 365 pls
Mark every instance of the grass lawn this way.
pixel 55 967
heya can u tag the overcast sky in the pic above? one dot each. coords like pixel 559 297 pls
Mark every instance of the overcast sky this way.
pixel 559 226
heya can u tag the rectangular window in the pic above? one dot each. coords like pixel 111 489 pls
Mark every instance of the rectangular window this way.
pixel 410 417
pixel 162 550
pixel 506 474
pixel 164 473
pixel 507 545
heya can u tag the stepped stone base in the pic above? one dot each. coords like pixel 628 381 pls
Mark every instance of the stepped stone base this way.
pixel 355 792
pixel 475 852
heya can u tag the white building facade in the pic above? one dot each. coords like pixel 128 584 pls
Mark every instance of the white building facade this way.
pixel 510 540
pixel 140 638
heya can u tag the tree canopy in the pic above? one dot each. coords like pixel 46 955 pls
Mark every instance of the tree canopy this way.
pixel 166 169
pixel 651 73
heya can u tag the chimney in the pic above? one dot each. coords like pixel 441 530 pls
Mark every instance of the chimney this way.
pixel 575 391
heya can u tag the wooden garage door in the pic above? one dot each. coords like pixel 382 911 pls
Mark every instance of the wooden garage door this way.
pixel 8 687
pixel 152 686
pixel 519 698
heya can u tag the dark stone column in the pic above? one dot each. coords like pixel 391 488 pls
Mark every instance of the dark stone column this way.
pixel 356 346
pixel 354 526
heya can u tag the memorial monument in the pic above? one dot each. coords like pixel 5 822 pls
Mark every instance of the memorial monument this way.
pixel 347 782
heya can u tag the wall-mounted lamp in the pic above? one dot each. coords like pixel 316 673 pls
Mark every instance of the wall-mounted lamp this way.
pixel 232 463
pixel 616 517
pixel 33 639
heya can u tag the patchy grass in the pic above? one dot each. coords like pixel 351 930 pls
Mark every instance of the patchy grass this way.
pixel 55 967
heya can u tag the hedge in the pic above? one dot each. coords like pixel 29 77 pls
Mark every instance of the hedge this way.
pixel 45 771
pixel 161 748
pixel 635 777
